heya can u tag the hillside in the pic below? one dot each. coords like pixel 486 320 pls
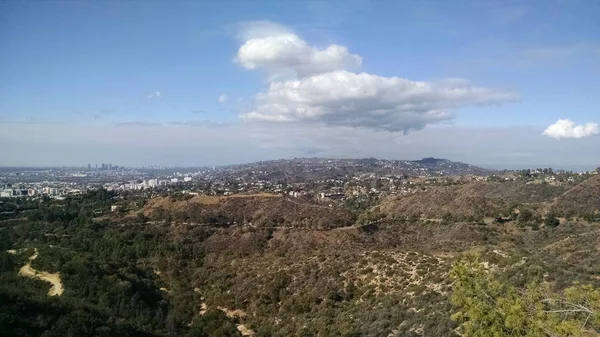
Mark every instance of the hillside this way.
pixel 256 209
pixel 313 169
pixel 462 201
pixel 581 199
pixel 392 280
pixel 271 265
pixel 473 200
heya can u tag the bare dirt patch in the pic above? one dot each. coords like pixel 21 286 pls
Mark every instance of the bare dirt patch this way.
pixel 233 313
pixel 236 313
pixel 244 330
pixel 52 278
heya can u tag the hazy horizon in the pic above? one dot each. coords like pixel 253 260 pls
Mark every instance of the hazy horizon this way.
pixel 574 167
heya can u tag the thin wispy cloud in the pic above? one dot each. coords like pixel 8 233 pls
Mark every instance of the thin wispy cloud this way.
pixel 556 53
pixel 154 96
pixel 223 99
pixel 199 122
pixel 334 13
pixel 28 121
pixel 502 13
pixel 137 123
pixel 102 113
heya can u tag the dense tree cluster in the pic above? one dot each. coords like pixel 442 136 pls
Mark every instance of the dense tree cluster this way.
pixel 107 271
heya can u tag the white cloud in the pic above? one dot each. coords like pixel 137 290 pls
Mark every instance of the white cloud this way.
pixel 344 98
pixel 320 89
pixel 223 99
pixel 259 29
pixel 136 124
pixel 565 128
pixel 154 95
pixel 281 52
pixel 560 53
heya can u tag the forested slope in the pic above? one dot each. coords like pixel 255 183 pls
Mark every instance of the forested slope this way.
pixel 135 273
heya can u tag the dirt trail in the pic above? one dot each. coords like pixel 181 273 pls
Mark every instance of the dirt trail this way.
pixel 233 313
pixel 53 278
pixel 244 330
pixel 237 313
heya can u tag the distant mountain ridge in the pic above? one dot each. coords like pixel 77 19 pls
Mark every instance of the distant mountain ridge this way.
pixel 430 160
pixel 332 167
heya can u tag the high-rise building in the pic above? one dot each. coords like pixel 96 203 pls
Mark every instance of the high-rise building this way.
pixel 110 167
pixel 89 167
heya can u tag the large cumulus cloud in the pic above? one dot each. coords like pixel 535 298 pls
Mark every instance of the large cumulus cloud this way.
pixel 319 87
pixel 565 128
pixel 344 98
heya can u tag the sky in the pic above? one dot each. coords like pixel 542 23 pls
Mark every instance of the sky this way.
pixel 501 84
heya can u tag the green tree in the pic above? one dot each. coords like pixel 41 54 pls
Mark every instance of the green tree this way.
pixel 525 216
pixel 213 323
pixel 487 307
pixel 551 221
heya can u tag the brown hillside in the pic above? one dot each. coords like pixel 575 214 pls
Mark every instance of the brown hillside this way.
pixel 521 193
pixel 462 200
pixel 261 210
pixel 476 199
pixel 582 199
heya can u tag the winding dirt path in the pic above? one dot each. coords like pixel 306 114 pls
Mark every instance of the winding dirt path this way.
pixel 243 329
pixel 53 278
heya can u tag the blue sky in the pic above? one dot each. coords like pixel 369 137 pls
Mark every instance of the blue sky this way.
pixel 102 70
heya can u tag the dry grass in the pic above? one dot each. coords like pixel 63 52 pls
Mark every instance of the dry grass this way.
pixel 476 199
pixel 581 199
pixel 215 200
